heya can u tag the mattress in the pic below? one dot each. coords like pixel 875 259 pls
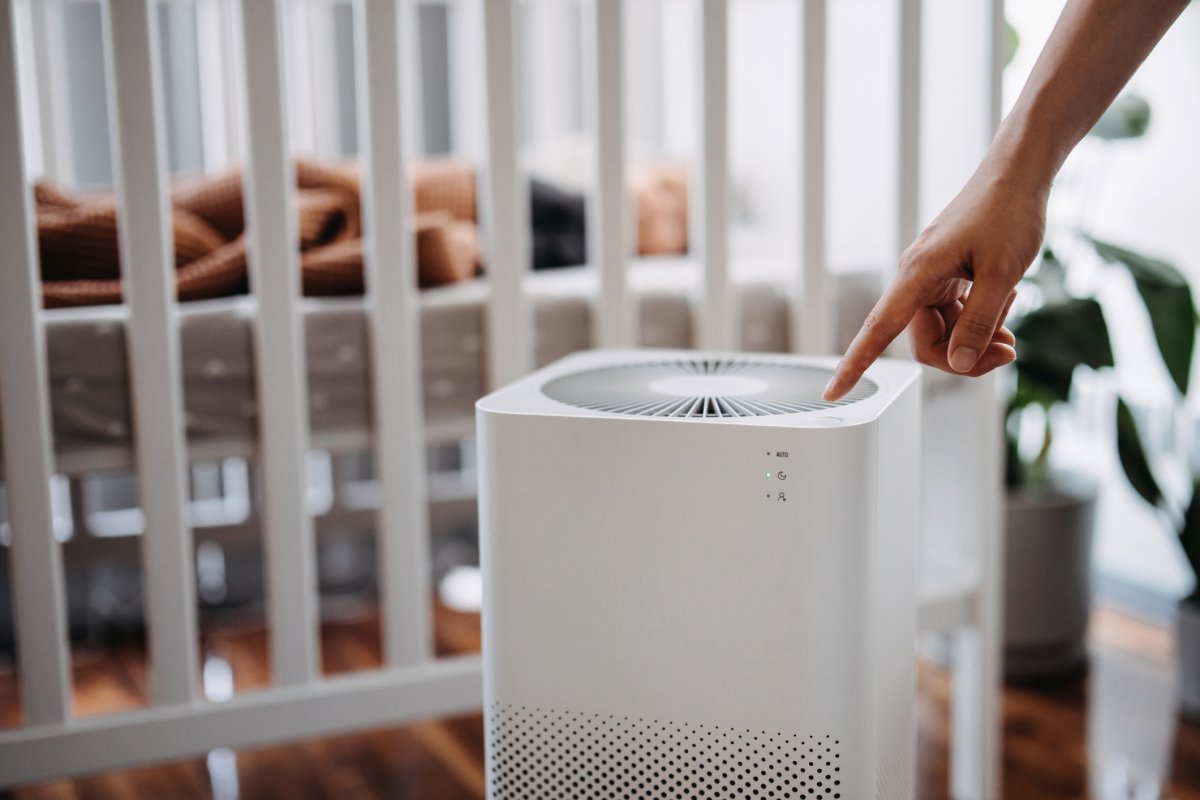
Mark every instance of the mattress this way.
pixel 89 371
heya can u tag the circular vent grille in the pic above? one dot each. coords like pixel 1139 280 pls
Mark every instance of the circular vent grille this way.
pixel 702 387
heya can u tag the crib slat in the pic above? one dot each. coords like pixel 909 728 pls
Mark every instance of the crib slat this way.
pixel 279 357
pixel 975 704
pixel 233 67
pixel 36 567
pixel 815 312
pixel 466 80
pixel 908 144
pixel 908 140
pixel 608 209
pixel 302 28
pixel 148 270
pixel 217 104
pixel 709 232
pixel 505 206
pixel 50 61
pixel 996 36
pixel 395 335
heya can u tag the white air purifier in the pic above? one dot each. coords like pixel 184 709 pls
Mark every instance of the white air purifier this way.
pixel 699 579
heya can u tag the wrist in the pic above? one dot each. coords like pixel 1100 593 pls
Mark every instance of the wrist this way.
pixel 1022 155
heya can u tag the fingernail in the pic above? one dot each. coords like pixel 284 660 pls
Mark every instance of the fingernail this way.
pixel 964 358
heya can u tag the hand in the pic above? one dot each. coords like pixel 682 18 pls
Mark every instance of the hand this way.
pixel 957 282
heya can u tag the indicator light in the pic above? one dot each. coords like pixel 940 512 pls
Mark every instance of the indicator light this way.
pixel 768 474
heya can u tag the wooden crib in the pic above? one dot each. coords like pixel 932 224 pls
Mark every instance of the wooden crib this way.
pixel 962 565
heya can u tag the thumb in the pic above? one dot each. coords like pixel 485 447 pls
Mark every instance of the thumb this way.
pixel 977 323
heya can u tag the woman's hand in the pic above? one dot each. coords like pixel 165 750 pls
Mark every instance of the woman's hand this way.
pixel 957 281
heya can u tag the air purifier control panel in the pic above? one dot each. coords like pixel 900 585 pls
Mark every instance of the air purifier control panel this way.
pixel 775 473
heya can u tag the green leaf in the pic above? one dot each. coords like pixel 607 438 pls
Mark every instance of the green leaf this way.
pixel 1055 339
pixel 1041 384
pixel 1189 535
pixel 1127 118
pixel 1050 277
pixel 1012 40
pixel 1168 300
pixel 1014 468
pixel 1133 456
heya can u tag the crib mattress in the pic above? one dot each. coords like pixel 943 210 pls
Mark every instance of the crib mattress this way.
pixel 89 375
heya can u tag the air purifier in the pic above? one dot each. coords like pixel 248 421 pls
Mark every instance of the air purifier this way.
pixel 699 578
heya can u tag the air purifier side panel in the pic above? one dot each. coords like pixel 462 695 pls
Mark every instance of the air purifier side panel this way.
pixel 655 584
pixel 893 583
pixel 487 468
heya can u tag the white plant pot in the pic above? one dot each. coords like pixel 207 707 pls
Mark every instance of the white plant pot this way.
pixel 1047 595
pixel 1188 645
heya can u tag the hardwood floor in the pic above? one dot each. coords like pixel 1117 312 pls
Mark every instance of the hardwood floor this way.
pixel 1112 733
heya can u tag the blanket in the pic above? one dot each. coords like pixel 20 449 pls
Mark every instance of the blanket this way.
pixel 80 264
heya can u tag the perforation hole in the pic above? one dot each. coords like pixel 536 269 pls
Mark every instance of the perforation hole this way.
pixel 545 754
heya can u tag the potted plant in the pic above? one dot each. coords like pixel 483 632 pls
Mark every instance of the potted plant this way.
pixel 1174 319
pixel 1184 518
pixel 1050 517
pixel 1051 514
pixel 1188 621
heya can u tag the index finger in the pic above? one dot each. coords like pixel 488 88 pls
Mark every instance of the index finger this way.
pixel 886 321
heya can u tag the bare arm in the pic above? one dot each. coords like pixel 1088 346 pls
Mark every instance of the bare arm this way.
pixel 956 281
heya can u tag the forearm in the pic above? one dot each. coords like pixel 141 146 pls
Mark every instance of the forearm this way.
pixel 1093 51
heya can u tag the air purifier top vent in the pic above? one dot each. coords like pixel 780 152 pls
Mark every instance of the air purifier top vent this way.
pixel 702 387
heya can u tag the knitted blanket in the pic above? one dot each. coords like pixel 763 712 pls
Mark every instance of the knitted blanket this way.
pixel 80 264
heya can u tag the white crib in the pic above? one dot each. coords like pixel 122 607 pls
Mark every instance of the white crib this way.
pixel 963 567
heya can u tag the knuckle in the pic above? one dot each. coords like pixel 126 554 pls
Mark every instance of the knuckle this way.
pixel 1009 274
pixel 979 372
pixel 1008 269
pixel 910 259
pixel 974 324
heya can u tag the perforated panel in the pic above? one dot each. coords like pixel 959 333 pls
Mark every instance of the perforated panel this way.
pixel 740 386
pixel 547 754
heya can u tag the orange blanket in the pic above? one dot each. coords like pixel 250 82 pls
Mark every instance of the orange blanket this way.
pixel 77 236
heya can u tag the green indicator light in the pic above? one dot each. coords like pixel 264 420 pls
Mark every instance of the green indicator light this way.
pixel 768 474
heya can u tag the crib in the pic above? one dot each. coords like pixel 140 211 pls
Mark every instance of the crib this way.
pixel 271 377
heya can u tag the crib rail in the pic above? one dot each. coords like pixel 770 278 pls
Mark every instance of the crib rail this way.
pixel 412 683
pixel 505 216
pixel 25 416
pixel 612 244
pixel 403 528
pixel 281 381
pixel 814 334
pixel 145 244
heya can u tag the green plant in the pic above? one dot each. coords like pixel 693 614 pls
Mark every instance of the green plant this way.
pixel 1127 118
pixel 1063 333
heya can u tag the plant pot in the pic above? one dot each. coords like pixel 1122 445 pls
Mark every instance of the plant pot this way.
pixel 1187 642
pixel 1047 593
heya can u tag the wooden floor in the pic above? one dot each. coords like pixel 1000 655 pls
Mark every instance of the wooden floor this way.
pixel 1061 741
